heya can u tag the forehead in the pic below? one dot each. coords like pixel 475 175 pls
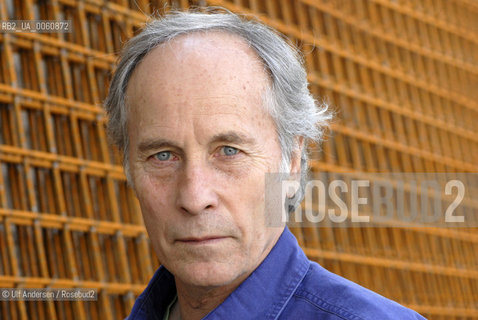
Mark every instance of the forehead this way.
pixel 202 61
pixel 197 71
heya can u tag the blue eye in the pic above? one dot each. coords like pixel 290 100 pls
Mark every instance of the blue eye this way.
pixel 163 155
pixel 229 151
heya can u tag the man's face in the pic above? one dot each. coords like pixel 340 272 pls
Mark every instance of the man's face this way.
pixel 200 145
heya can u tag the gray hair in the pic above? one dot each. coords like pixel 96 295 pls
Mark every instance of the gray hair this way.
pixel 288 100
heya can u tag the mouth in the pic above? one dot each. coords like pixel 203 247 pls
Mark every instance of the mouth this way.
pixel 201 240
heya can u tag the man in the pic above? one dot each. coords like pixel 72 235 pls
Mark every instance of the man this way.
pixel 204 107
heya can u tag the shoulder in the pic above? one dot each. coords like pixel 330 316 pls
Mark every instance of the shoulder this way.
pixel 323 292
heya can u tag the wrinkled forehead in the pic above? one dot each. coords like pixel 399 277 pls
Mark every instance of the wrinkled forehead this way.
pixel 213 73
pixel 212 55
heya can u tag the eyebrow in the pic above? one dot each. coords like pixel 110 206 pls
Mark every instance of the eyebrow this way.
pixel 227 137
pixel 153 144
pixel 233 137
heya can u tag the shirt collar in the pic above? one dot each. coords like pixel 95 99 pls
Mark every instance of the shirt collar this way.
pixel 155 299
pixel 265 293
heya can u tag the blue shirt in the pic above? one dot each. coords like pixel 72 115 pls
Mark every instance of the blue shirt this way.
pixel 286 285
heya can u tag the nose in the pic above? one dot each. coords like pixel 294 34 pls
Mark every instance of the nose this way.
pixel 196 190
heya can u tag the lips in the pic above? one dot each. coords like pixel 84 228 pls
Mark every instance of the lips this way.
pixel 201 240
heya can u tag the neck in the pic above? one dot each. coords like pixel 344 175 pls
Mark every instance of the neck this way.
pixel 196 302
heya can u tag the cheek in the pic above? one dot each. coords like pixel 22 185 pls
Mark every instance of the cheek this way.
pixel 155 215
pixel 153 198
pixel 248 202
pixel 150 188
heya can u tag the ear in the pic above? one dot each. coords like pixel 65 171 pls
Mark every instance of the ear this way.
pixel 295 165
pixel 295 158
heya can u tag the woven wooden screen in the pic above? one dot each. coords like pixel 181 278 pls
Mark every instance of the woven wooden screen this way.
pixel 402 75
